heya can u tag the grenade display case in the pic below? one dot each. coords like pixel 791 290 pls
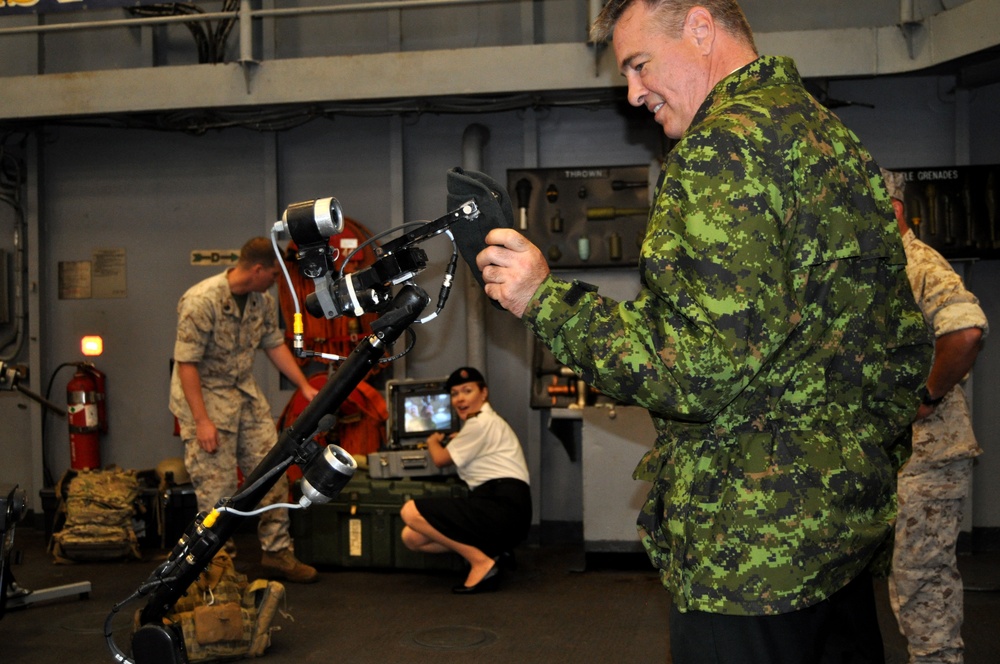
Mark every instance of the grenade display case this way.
pixel 584 217
pixel 954 209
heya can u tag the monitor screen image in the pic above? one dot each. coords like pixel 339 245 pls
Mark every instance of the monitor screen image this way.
pixel 418 408
pixel 426 413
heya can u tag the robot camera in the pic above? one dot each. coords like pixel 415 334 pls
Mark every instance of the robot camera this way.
pixel 311 222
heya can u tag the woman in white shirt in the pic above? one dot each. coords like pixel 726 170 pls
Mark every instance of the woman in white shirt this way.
pixel 496 515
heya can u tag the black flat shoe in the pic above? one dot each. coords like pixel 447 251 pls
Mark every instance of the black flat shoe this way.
pixel 488 584
pixel 507 561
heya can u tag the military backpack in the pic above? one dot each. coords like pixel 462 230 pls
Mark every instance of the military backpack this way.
pixel 222 616
pixel 97 507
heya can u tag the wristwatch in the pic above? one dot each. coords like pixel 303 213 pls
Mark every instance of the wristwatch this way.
pixel 925 397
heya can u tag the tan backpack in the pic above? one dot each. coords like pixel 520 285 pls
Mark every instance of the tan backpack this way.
pixel 222 616
pixel 98 506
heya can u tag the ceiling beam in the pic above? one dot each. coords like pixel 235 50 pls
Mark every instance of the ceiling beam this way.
pixel 963 30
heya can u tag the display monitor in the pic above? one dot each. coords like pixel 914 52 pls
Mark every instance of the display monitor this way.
pixel 418 408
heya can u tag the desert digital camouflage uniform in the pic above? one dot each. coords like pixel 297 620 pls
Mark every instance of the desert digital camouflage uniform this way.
pixel 211 332
pixel 925 587
pixel 776 344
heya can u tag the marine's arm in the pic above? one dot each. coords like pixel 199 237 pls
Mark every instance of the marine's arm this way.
pixel 954 315
pixel 208 436
pixel 284 362
pixel 195 322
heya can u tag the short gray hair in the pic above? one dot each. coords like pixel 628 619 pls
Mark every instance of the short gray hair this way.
pixel 671 14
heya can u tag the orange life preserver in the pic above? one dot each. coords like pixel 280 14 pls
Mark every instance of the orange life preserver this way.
pixel 340 335
pixel 361 423
pixel 360 427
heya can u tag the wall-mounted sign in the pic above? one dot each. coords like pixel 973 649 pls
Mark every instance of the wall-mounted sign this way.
pixel 100 278
pixel 215 257
pixel 74 280
pixel 108 273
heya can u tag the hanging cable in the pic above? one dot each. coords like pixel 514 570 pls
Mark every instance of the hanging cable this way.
pixel 449 277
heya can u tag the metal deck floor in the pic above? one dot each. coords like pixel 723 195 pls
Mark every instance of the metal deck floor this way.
pixel 551 609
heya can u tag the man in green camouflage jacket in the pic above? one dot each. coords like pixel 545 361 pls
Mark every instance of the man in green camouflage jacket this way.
pixel 775 342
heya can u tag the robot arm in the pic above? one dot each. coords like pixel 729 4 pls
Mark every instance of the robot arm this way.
pixel 325 471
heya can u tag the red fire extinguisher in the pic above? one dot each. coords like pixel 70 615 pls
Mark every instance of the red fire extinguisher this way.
pixel 86 415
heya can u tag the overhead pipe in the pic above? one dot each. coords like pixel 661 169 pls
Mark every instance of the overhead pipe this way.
pixel 595 7
pixel 13 341
pixel 253 13
pixel 905 12
pixel 910 26
pixel 474 141
pixel 246 31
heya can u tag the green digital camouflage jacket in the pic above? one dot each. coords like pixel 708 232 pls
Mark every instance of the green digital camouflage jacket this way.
pixel 776 344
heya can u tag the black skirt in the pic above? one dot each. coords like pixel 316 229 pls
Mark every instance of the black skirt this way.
pixel 495 517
